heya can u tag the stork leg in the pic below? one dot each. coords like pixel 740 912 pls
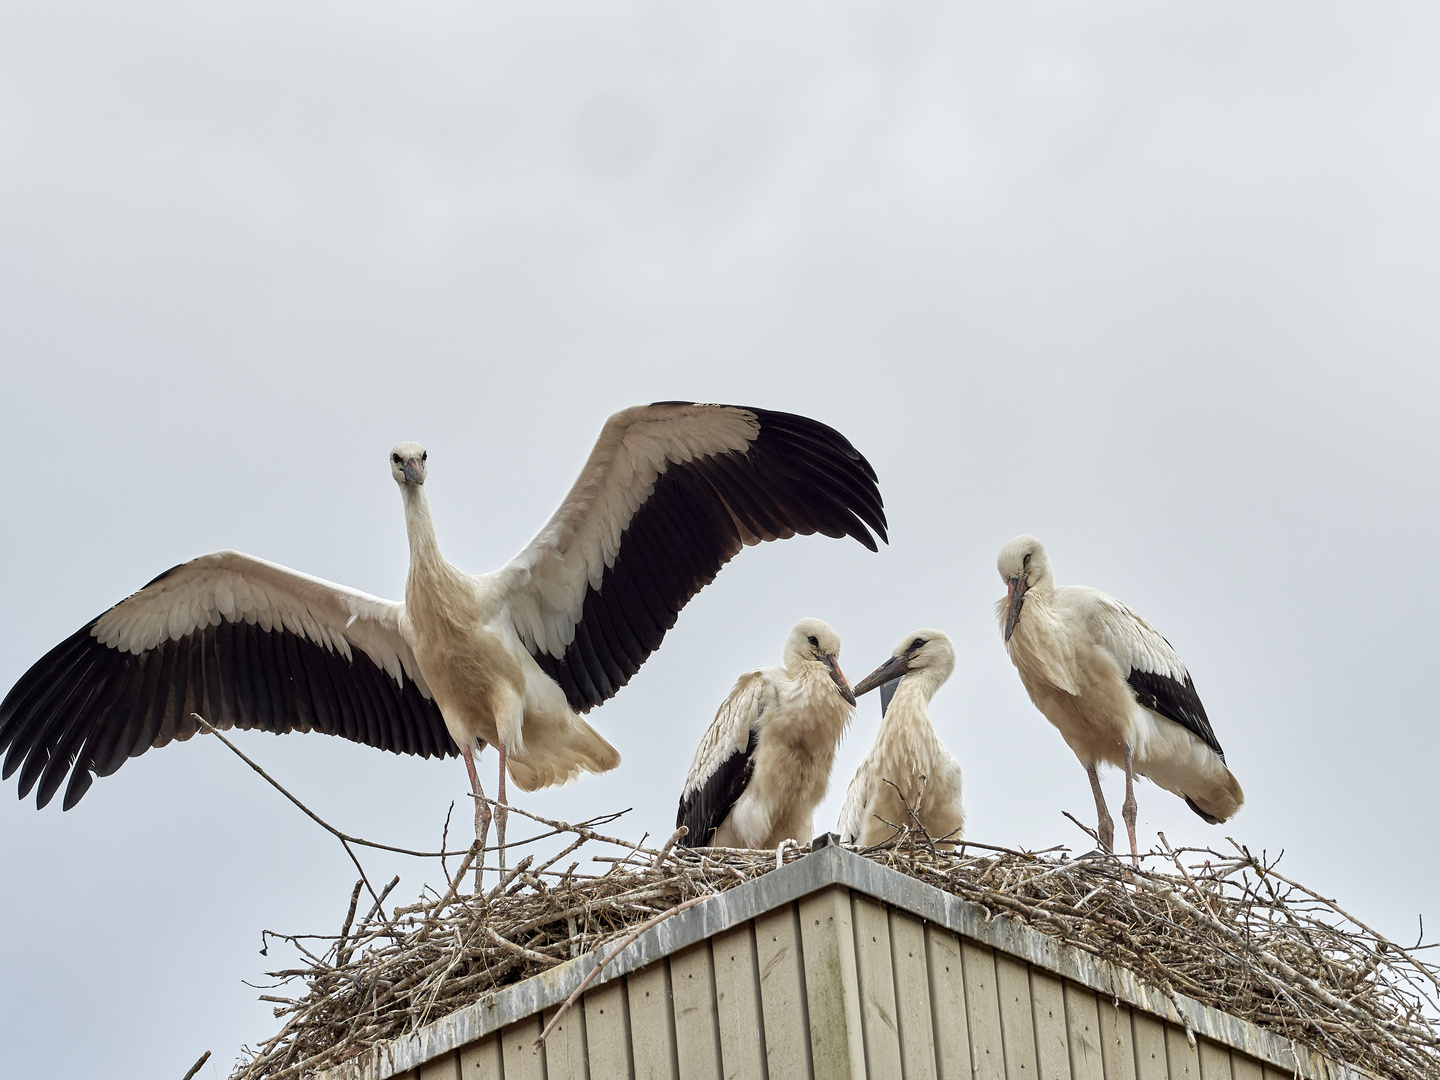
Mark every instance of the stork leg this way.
pixel 482 813
pixel 1127 811
pixel 1105 824
pixel 502 810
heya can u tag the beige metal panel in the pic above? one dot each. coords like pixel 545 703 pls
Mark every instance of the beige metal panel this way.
pixel 517 1047
pixel 1082 1020
pixel 832 994
pixel 782 993
pixel 1017 1019
pixel 912 996
pixel 1214 1061
pixel 947 1004
pixel 442 1068
pixel 1246 1068
pixel 737 999
pixel 652 1023
pixel 697 1035
pixel 1184 1058
pixel 1117 1039
pixel 607 1032
pixel 982 1011
pixel 1052 1035
pixel 565 1057
pixel 481 1060
pixel 1150 1059
pixel 877 986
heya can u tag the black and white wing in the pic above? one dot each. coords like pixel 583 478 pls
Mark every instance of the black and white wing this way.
pixel 243 642
pixel 1154 671
pixel 670 494
pixel 724 760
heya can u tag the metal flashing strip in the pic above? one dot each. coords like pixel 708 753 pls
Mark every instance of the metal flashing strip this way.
pixel 833 866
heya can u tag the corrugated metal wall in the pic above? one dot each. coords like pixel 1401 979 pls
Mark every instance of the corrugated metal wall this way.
pixel 841 985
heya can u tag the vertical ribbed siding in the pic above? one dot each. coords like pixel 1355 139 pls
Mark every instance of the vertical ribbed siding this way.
pixel 840 985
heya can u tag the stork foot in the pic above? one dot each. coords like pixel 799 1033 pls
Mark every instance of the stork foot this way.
pixel 502 810
pixel 1104 825
pixel 1128 809
pixel 483 815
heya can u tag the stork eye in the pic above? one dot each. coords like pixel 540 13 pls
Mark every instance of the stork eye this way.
pixel 424 454
pixel 395 458
pixel 814 641
pixel 1026 563
pixel 919 641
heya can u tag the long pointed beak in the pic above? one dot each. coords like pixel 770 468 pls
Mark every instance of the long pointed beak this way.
pixel 413 472
pixel 1015 590
pixel 893 668
pixel 887 694
pixel 841 683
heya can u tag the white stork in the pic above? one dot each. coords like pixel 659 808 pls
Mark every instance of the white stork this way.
pixel 907 751
pixel 1114 687
pixel 669 494
pixel 764 763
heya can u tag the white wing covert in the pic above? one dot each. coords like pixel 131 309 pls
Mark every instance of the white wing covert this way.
pixel 722 765
pixel 1153 669
pixel 670 493
pixel 244 642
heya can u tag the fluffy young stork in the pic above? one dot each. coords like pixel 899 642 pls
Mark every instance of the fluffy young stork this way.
pixel 907 751
pixel 669 494
pixel 764 764
pixel 1114 687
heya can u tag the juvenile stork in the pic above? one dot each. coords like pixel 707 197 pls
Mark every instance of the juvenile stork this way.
pixel 1114 687
pixel 764 763
pixel 907 751
pixel 669 494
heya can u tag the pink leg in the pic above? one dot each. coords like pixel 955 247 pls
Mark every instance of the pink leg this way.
pixel 1106 825
pixel 482 813
pixel 1128 810
pixel 502 809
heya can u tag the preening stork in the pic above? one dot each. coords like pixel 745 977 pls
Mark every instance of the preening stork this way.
pixel 669 494
pixel 764 763
pixel 907 751
pixel 1114 687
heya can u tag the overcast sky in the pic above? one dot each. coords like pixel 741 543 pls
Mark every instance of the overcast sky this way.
pixel 1156 283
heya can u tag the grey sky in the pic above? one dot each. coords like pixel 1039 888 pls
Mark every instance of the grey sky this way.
pixel 1154 282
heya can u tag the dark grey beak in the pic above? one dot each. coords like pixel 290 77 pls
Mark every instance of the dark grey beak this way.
pixel 841 683
pixel 414 471
pixel 887 693
pixel 1015 590
pixel 893 668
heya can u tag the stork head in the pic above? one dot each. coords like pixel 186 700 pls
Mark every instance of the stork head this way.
pixel 1023 565
pixel 928 651
pixel 814 641
pixel 407 464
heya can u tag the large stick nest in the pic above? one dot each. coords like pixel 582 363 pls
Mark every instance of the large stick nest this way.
pixel 1223 928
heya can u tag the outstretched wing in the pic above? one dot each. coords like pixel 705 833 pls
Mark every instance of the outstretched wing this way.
pixel 243 642
pixel 1153 669
pixel 724 760
pixel 670 494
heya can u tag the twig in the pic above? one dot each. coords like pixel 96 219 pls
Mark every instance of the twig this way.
pixel 203 1058
pixel 342 955
pixel 589 978
pixel 344 837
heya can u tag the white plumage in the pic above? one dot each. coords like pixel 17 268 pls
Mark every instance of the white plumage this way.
pixel 907 751
pixel 669 494
pixel 1114 688
pixel 763 765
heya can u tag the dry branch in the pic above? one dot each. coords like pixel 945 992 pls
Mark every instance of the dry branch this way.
pixel 1222 928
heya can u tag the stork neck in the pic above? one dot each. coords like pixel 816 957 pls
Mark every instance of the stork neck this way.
pixel 919 686
pixel 424 548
